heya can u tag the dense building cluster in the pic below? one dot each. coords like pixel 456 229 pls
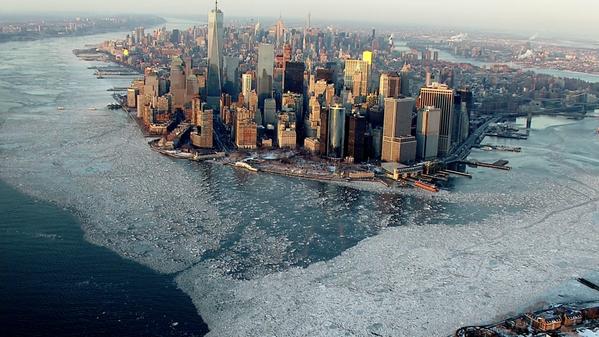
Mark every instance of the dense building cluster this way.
pixel 321 90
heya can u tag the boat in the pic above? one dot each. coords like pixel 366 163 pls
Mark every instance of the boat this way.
pixel 60 108
pixel 91 109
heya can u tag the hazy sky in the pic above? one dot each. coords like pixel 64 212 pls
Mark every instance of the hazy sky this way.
pixel 567 16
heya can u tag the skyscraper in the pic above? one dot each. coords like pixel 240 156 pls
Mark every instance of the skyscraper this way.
pixel 427 133
pixel 279 31
pixel 231 76
pixel 270 111
pixel 139 35
pixel 293 78
pixel 336 134
pixel 178 82
pixel 405 80
pixel 442 97
pixel 246 86
pixel 357 127
pixel 215 57
pixel 398 143
pixel 202 117
pixel 389 86
pixel 398 117
pixel 353 68
pixel 264 72
pixel 367 57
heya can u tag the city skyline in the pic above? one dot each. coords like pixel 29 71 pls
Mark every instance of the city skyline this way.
pixel 214 175
pixel 566 18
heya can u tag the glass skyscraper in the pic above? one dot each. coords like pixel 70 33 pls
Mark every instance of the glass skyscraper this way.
pixel 215 57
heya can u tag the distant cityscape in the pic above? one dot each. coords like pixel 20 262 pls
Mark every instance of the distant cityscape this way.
pixel 39 28
pixel 326 104
pixel 531 52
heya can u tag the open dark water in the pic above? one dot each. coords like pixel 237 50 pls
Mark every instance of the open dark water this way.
pixel 54 283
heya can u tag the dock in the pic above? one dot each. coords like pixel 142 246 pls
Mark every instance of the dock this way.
pixel 457 173
pixel 500 164
pixel 489 147
pixel 508 135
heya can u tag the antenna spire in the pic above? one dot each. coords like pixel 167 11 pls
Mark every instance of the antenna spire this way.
pixel 216 5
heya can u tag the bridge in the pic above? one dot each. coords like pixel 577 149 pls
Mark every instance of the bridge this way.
pixel 461 152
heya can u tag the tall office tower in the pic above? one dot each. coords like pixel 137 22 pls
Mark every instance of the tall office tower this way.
pixel 246 132
pixel 265 72
pixel 377 142
pixel 175 37
pixel 464 105
pixel 188 61
pixel 353 67
pixel 461 123
pixel 367 57
pixel 398 117
pixel 286 132
pixel 294 102
pixel 178 82
pixel 231 76
pixel 293 78
pixel 323 131
pixel 253 104
pixel 466 96
pixel 215 57
pixel 329 94
pixel 389 86
pixel 139 35
pixel 151 83
pixel 246 87
pixel 398 143
pixel 319 88
pixel 427 133
pixel 287 53
pixel 360 87
pixel 336 134
pixel 324 74
pixel 279 32
pixel 404 75
pixel 132 94
pixel 312 119
pixel 442 97
pixel 270 112
pixel 225 100
pixel 202 117
pixel 192 88
pixel 357 127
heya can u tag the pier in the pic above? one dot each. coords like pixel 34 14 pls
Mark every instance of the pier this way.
pixel 508 135
pixel 500 164
pixel 457 173
pixel 489 147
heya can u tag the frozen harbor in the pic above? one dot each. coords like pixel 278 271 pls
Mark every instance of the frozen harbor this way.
pixel 273 256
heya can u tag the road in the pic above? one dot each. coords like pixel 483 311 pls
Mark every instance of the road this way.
pixel 463 151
